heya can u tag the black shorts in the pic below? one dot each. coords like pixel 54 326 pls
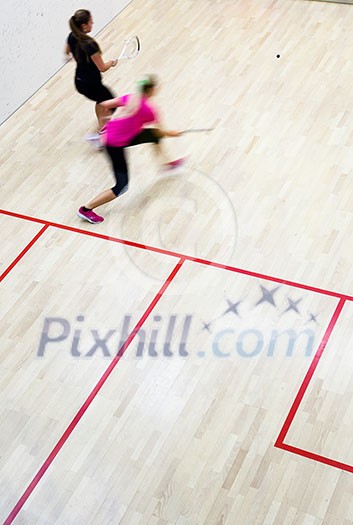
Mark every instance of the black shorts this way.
pixel 145 136
pixel 94 91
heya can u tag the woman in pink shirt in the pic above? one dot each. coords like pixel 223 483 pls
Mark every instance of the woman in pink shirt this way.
pixel 128 129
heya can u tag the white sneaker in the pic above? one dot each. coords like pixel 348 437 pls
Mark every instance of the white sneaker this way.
pixel 95 140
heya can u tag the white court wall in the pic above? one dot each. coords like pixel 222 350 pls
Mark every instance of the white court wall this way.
pixel 32 37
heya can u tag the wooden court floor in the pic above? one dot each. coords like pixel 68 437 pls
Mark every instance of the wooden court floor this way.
pixel 189 360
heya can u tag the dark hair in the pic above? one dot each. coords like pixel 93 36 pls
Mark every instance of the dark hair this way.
pixel 82 16
pixel 147 83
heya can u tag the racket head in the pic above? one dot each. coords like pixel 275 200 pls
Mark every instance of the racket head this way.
pixel 131 48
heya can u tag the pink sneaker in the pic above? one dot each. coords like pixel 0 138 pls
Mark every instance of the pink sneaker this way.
pixel 174 164
pixel 89 216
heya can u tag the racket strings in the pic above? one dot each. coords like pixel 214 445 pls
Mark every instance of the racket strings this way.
pixel 131 48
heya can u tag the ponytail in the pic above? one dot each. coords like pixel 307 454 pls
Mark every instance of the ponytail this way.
pixel 82 16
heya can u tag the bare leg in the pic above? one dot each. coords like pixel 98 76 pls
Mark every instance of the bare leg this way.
pixel 102 198
pixel 145 136
pixel 160 152
pixel 166 163
pixel 102 115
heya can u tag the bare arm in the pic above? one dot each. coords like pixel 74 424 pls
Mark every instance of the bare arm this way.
pixel 67 52
pixel 161 129
pixel 170 133
pixel 110 104
pixel 165 132
pixel 101 65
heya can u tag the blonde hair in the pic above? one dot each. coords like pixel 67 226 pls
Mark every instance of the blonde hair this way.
pixel 147 83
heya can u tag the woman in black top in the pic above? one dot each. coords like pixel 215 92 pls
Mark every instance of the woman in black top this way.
pixel 90 63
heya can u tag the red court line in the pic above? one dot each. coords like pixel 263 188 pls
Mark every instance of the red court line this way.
pixel 24 251
pixel 299 397
pixel 179 255
pixel 76 419
pixel 317 457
